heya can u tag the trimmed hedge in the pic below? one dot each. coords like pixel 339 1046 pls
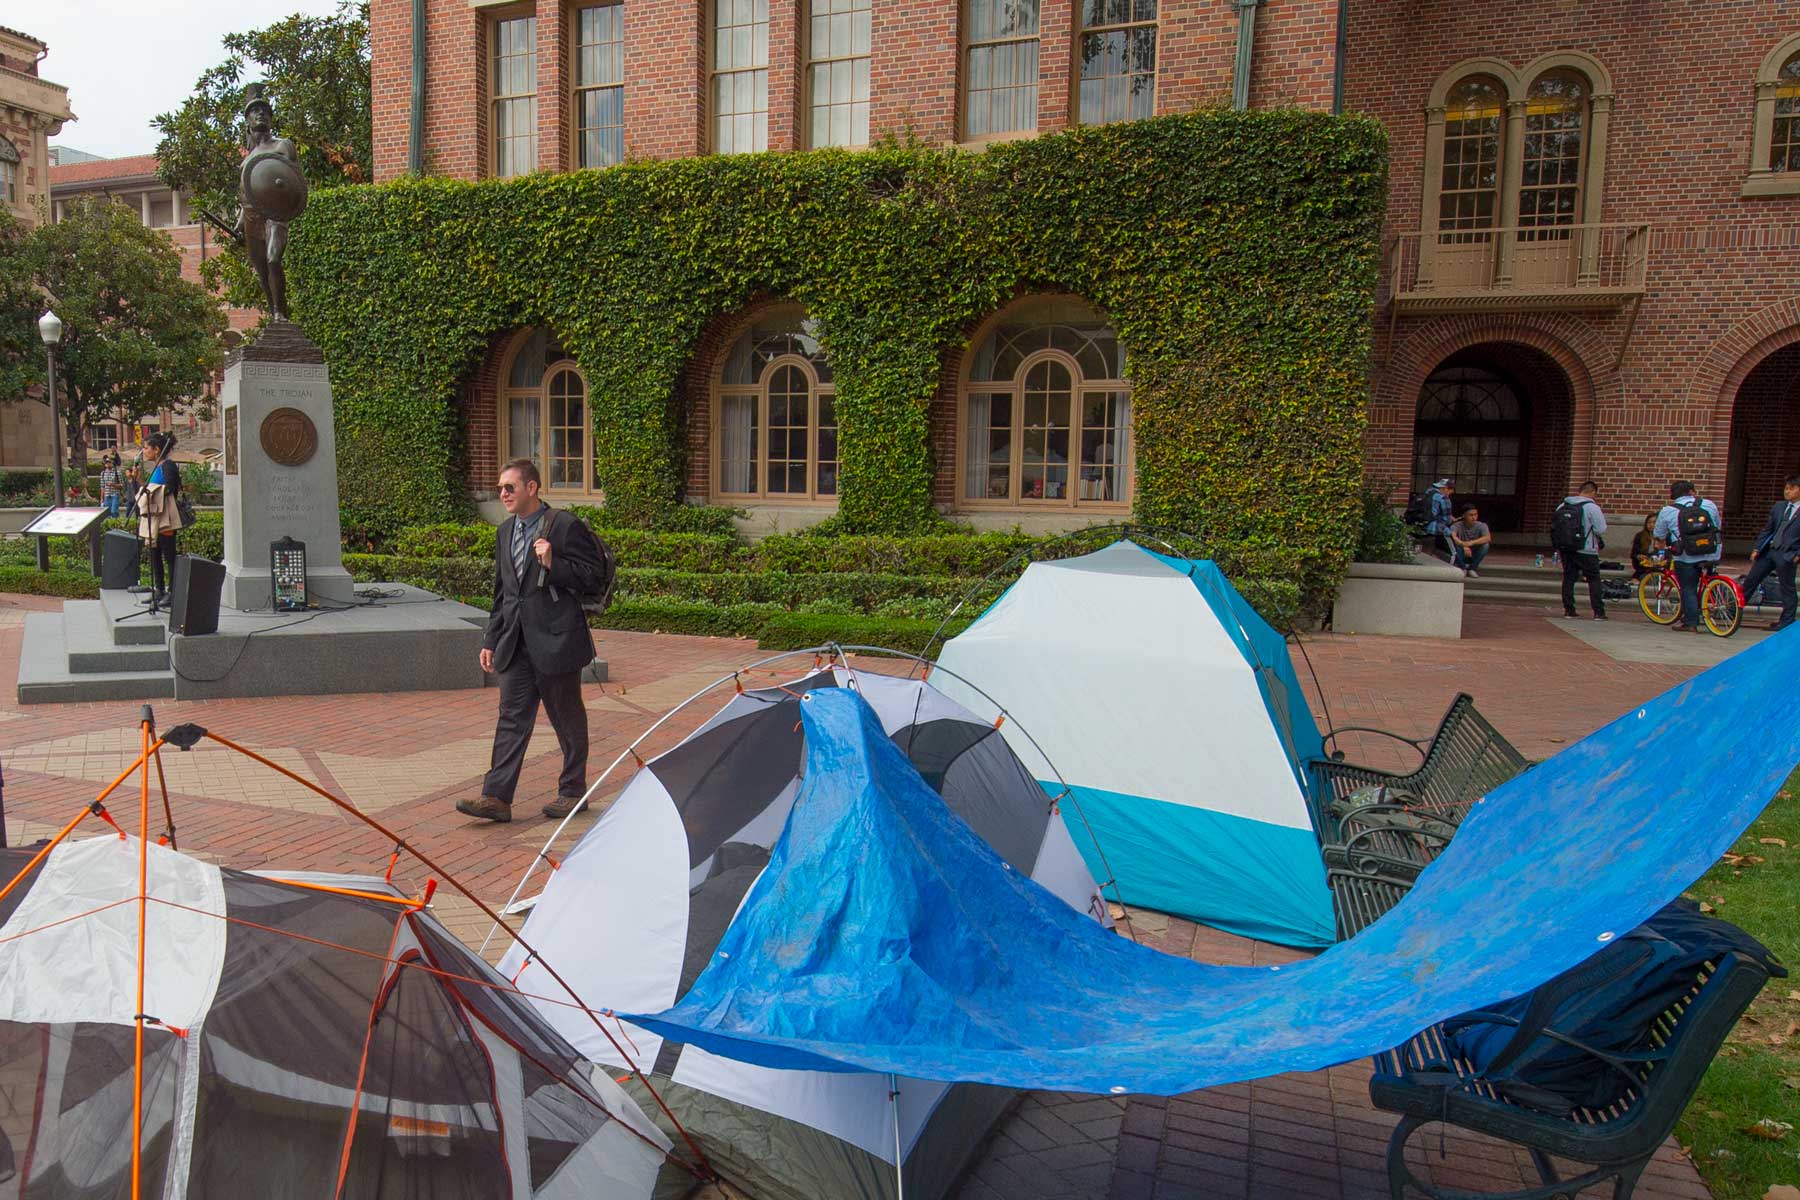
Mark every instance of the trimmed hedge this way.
pixel 1234 252
pixel 30 581
pixel 798 631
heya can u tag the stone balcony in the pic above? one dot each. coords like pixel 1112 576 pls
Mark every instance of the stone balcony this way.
pixel 1500 269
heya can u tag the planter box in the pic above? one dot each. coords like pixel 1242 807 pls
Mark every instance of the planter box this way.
pixel 1422 599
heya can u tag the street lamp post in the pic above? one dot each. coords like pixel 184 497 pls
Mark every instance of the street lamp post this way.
pixel 50 328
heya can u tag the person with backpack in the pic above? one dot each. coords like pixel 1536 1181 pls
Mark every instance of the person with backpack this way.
pixel 537 640
pixel 1577 529
pixel 1691 528
pixel 1438 526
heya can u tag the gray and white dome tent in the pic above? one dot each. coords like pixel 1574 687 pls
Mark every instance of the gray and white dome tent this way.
pixel 170 1028
pixel 637 908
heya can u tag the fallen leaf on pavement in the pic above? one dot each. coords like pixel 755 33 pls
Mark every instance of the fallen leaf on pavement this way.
pixel 1769 1129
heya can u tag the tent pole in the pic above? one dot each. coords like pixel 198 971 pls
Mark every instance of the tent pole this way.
pixel 137 1094
pixel 899 1161
pixel 703 1170
pixel 630 750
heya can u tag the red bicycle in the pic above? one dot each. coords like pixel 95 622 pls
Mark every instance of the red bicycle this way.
pixel 1721 599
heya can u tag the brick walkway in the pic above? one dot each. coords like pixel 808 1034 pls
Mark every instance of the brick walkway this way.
pixel 408 758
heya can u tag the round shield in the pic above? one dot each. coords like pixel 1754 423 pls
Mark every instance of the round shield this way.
pixel 274 187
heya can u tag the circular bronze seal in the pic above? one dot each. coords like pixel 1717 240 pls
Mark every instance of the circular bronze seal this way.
pixel 289 437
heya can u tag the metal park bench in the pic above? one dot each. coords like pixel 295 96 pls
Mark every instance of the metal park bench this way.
pixel 1461 762
pixel 1379 829
pixel 1427 1082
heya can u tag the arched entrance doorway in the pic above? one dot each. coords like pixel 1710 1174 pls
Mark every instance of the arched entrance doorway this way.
pixel 1497 418
pixel 1765 440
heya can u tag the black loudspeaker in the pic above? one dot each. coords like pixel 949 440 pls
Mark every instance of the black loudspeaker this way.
pixel 119 556
pixel 194 598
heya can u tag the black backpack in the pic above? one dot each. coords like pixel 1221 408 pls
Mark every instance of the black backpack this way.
pixel 1568 527
pixel 1696 533
pixel 1605 1013
pixel 1418 511
pixel 598 601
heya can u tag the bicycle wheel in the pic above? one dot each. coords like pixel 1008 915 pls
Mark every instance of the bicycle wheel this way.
pixel 1659 597
pixel 1721 607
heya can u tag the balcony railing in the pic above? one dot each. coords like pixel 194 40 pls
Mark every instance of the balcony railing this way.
pixel 1556 266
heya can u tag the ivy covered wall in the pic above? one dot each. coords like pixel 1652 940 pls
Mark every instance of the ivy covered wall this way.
pixel 1235 253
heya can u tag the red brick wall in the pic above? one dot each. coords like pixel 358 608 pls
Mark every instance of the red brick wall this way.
pixel 480 402
pixel 913 72
pixel 1723 269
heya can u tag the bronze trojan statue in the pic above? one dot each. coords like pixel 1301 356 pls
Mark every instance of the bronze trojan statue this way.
pixel 271 192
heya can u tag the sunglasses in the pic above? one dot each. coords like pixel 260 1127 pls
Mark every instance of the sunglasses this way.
pixel 507 489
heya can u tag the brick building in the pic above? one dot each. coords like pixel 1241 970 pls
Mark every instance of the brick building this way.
pixel 1592 253
pixel 134 183
pixel 32 111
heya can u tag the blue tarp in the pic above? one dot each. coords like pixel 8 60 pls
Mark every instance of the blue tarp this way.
pixel 885 936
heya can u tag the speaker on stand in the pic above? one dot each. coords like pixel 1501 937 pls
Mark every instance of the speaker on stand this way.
pixel 120 554
pixel 194 596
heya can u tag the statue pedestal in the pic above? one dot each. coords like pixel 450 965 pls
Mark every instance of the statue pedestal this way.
pixel 280 468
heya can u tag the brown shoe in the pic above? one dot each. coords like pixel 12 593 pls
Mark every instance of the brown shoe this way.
pixel 562 806
pixel 487 808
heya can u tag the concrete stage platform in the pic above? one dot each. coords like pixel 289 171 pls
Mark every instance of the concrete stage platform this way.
pixel 406 640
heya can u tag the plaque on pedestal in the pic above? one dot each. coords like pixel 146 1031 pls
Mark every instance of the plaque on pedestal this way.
pixel 281 441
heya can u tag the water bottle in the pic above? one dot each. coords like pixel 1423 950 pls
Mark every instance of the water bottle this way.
pixel 1540 560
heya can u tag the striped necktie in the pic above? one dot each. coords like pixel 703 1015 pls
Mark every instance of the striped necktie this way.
pixel 518 549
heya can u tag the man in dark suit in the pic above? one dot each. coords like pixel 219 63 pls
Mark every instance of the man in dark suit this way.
pixel 1777 548
pixel 537 641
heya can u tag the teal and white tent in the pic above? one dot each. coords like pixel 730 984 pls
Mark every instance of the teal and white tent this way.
pixel 1171 711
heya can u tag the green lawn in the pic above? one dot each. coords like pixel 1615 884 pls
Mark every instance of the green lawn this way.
pixel 1757 1075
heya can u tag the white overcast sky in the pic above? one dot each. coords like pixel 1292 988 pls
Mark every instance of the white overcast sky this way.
pixel 124 61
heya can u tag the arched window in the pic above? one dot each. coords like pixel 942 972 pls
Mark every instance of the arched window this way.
pixel 1514 160
pixel 1784 146
pixel 1046 412
pixel 1775 145
pixel 1471 429
pixel 775 433
pixel 9 173
pixel 1551 168
pixel 544 415
pixel 1469 190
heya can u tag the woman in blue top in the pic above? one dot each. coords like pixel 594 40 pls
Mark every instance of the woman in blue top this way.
pixel 160 521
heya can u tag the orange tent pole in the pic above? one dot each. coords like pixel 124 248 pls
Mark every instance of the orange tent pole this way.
pixel 406 902
pixel 66 830
pixel 137 1095
pixel 705 1167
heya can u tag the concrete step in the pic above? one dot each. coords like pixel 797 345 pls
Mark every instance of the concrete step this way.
pixel 127 621
pixel 45 678
pixel 92 646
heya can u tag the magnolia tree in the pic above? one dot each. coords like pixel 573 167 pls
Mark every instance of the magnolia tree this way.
pixel 137 337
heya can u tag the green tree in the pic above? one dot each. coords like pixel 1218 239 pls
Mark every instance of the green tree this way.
pixel 317 73
pixel 137 337
pixel 21 354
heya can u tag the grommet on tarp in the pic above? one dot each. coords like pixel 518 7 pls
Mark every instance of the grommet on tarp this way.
pixel 99 810
pixel 1605 937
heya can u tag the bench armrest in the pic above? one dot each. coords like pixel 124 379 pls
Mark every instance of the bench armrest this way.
pixel 1330 735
